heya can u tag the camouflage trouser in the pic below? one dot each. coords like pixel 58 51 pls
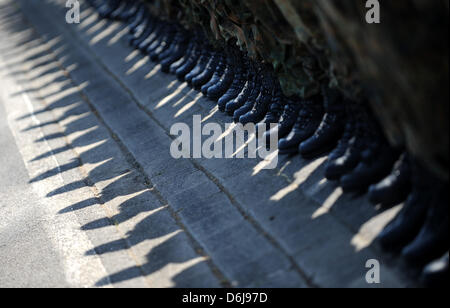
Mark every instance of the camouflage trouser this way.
pixel 261 30
pixel 403 62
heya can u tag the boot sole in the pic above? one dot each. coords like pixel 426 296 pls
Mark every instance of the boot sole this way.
pixel 319 153
pixel 292 151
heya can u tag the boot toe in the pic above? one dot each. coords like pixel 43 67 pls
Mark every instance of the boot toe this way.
pixel 247 118
pixel 306 147
pixel 333 172
pixel 204 89
pixel 375 194
pixel 414 253
pixel 286 146
pixel 351 183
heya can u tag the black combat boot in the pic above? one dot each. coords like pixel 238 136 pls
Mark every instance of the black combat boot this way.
pixel 252 98
pixel 107 8
pixel 179 37
pixel 220 88
pixel 344 142
pixel 124 6
pixel 433 239
pixel 408 222
pixel 158 38
pixel 435 274
pixel 95 3
pixel 137 20
pixel 178 50
pixel 239 101
pixel 308 120
pixel 377 162
pixel 144 33
pixel 289 117
pixel 151 35
pixel 349 133
pixel 191 61
pixel 219 70
pixel 395 188
pixel 200 66
pixel 185 58
pixel 272 119
pixel 140 26
pixel 262 105
pixel 172 45
pixel 130 10
pixel 339 165
pixel 205 76
pixel 164 43
pixel 238 84
pixel 330 129
pixel 276 108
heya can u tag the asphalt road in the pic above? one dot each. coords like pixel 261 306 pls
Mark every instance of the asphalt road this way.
pixel 28 259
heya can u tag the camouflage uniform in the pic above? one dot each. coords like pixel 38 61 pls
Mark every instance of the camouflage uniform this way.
pixel 261 31
pixel 403 61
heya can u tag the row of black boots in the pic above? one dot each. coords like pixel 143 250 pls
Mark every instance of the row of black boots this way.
pixel 361 159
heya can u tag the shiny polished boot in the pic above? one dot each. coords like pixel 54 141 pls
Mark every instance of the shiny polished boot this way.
pixel 208 72
pixel 107 8
pixel 178 37
pixel 220 88
pixel 239 101
pixel 164 44
pixel 262 105
pixel 344 142
pixel 219 70
pixel 129 11
pixel 308 120
pixel 276 109
pixel 252 98
pixel 435 274
pixel 157 39
pixel 95 3
pixel 339 165
pixel 433 238
pixel 124 6
pixel 238 84
pixel 394 189
pixel 186 55
pixel 181 43
pixel 200 66
pixel 331 128
pixel 191 62
pixel 408 222
pixel 143 35
pixel 377 162
pixel 189 65
pixel 289 117
pixel 140 17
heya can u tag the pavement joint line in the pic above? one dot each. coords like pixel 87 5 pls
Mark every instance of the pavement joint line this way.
pixel 134 164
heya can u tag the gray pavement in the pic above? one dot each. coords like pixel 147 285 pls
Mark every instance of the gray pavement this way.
pixel 97 200
pixel 26 254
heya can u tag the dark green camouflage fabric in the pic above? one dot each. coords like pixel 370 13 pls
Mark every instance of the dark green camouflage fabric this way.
pixel 403 66
pixel 399 66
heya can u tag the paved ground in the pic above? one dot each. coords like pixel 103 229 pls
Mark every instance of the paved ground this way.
pixel 90 195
